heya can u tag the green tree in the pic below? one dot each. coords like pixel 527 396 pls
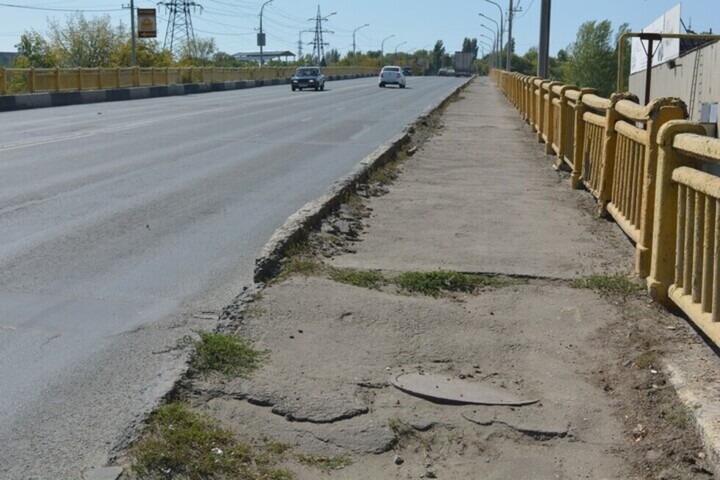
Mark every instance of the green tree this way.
pixel 624 28
pixel 82 42
pixel 223 59
pixel 34 51
pixel 591 61
pixel 470 45
pixel 198 52
pixel 149 54
pixel 438 55
pixel 333 56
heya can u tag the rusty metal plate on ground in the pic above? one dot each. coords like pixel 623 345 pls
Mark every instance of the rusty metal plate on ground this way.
pixel 450 390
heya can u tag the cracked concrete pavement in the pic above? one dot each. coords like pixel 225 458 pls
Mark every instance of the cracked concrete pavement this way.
pixel 479 197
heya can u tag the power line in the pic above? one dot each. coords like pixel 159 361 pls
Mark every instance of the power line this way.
pixel 49 9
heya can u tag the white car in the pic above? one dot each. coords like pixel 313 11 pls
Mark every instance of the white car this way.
pixel 391 75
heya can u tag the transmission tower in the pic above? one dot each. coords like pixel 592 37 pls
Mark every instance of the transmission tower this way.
pixel 180 29
pixel 318 43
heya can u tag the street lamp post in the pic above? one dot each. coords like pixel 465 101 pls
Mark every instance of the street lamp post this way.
pixel 497 35
pixel 261 35
pixel 494 50
pixel 358 28
pixel 133 42
pixel 382 48
pixel 395 52
pixel 502 23
pixel 491 31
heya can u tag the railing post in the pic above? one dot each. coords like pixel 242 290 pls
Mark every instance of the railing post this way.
pixel 3 82
pixel 79 79
pixel 579 139
pixel 542 128
pixel 56 79
pixel 657 118
pixel 664 231
pixel 117 77
pixel 525 95
pixel 607 164
pixel 136 76
pixel 550 118
pixel 31 80
pixel 152 76
pixel 565 117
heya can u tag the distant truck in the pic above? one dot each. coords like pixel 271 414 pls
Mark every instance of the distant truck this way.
pixel 462 63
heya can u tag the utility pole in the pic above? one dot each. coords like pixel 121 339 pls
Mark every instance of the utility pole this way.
pixel 261 35
pixel 544 49
pixel 133 41
pixel 509 44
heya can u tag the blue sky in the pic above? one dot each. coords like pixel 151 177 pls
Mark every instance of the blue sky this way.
pixel 418 23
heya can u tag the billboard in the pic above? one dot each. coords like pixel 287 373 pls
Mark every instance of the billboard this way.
pixel 668 49
pixel 147 25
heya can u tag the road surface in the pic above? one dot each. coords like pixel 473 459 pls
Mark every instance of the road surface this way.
pixel 124 226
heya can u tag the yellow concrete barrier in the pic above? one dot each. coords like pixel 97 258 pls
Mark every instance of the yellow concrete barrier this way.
pixel 34 80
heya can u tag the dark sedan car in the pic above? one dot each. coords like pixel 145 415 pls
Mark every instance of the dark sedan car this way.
pixel 308 77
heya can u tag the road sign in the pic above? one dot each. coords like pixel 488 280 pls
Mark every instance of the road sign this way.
pixel 147 24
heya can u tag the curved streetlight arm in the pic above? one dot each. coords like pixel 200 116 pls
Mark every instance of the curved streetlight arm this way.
pixel 382 48
pixel 261 38
pixel 502 23
pixel 358 28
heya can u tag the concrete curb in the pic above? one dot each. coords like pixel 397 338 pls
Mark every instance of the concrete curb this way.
pixel 701 401
pixel 299 224
pixel 61 99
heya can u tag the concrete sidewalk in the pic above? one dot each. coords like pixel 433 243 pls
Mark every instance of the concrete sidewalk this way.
pixel 478 197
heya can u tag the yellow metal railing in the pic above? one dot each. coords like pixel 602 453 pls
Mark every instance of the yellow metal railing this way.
pixel 631 169
pixel 685 263
pixel 648 169
pixel 37 80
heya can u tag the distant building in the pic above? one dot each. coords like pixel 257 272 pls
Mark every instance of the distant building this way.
pixel 7 58
pixel 267 56
pixel 697 68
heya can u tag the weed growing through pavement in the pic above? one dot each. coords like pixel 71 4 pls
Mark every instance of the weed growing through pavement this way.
pixel 323 462
pixel 302 266
pixel 403 432
pixel 359 278
pixel 228 354
pixel 425 283
pixel 388 172
pixel 617 285
pixel 646 359
pixel 434 283
pixel 180 443
pixel 676 416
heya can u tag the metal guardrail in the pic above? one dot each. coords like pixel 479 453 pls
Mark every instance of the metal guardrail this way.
pixel 37 80
pixel 645 165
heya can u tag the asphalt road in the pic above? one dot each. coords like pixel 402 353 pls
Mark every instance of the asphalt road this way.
pixel 124 226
